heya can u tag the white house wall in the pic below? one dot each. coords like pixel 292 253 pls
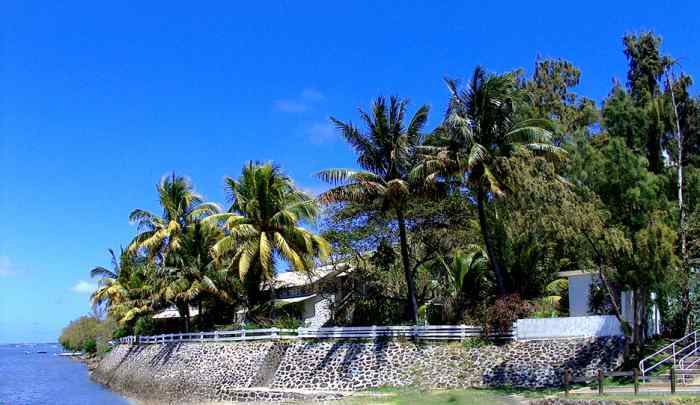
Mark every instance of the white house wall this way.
pixel 317 311
pixel 579 294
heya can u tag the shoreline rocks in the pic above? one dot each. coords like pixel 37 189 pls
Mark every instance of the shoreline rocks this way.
pixel 91 361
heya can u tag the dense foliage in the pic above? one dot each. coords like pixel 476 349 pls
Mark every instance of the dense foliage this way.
pixel 88 334
pixel 471 221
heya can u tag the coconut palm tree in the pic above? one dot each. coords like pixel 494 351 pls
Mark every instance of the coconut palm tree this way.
pixel 481 125
pixel 386 152
pixel 109 288
pixel 189 274
pixel 159 236
pixel 263 223
pixel 123 290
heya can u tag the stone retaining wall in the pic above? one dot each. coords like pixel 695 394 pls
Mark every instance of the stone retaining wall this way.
pixel 223 371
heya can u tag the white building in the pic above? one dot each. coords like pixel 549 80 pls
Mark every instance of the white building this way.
pixel 580 283
pixel 316 291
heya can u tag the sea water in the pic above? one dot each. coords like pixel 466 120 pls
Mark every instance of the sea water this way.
pixel 31 378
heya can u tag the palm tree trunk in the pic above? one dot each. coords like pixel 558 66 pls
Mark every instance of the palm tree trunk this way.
pixel 199 313
pixel 636 304
pixel 412 302
pixel 483 224
pixel 273 296
pixel 184 311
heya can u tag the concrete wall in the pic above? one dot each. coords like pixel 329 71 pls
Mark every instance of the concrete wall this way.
pixel 199 372
pixel 571 327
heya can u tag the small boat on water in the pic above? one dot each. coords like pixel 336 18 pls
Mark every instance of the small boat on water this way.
pixel 68 354
pixel 41 351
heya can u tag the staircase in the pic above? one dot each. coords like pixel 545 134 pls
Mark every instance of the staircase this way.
pixel 689 368
pixel 683 355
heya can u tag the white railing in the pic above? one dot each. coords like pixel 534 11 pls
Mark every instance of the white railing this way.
pixel 677 352
pixel 436 332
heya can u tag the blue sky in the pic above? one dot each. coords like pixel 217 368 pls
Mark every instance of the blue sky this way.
pixel 98 101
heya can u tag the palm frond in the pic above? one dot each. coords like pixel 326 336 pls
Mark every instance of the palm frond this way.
pixel 100 271
pixel 478 155
pixel 548 149
pixel 288 253
pixel 528 135
pixel 495 186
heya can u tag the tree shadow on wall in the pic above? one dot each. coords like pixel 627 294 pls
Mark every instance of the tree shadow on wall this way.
pixel 538 371
pixel 330 354
pixel 133 351
pixel 164 354
pixel 354 350
pixel 602 353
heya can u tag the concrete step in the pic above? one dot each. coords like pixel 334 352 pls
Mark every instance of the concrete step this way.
pixel 688 371
pixel 260 394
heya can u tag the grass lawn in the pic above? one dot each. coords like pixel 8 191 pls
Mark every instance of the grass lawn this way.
pixel 432 397
pixel 490 396
pixel 641 399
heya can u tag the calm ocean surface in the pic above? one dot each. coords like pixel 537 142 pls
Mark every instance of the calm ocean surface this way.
pixel 45 379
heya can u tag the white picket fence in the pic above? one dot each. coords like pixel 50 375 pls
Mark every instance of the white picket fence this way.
pixel 432 332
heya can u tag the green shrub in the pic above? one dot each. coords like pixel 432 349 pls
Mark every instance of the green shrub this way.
pixel 121 332
pixel 287 323
pixel 90 345
pixel 88 334
pixel 253 325
pixel 74 336
pixel 475 343
pixel 370 311
pixel 105 332
pixel 144 326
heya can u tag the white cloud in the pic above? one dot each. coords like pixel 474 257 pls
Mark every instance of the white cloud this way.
pixel 84 287
pixel 312 95
pixel 292 106
pixel 320 132
pixel 6 269
pixel 305 101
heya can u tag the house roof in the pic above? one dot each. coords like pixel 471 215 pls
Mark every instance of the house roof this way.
pixel 573 273
pixel 172 312
pixel 284 301
pixel 300 278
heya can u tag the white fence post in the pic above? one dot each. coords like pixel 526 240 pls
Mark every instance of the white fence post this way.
pixel 274 333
